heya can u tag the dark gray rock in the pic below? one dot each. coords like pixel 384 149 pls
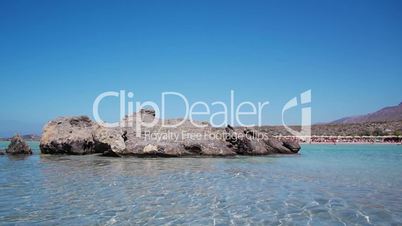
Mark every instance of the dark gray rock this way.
pixel 18 146
pixel 251 142
pixel 276 146
pixel 292 145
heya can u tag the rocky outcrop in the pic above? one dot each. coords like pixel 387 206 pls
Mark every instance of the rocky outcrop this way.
pixel 79 135
pixel 292 145
pixel 68 135
pixel 249 142
pixel 108 140
pixel 18 146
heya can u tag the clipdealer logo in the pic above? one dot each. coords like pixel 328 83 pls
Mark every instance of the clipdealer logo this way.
pixel 230 115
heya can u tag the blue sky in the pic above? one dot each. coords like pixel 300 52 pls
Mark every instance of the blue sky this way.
pixel 57 56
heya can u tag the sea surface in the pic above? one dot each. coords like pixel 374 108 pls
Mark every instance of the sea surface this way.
pixel 323 185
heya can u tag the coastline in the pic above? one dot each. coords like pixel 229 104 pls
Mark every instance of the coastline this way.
pixel 334 140
pixel 346 143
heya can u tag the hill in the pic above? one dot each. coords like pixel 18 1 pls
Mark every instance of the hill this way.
pixel 387 114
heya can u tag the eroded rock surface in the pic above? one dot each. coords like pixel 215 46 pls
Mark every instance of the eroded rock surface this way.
pixel 80 135
pixel 68 135
pixel 18 146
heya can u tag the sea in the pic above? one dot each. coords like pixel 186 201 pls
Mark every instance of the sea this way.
pixel 322 185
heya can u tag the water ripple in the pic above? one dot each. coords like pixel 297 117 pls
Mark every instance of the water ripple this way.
pixel 325 185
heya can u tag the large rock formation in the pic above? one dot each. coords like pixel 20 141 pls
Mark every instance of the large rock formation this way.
pixel 79 135
pixel 68 135
pixel 18 146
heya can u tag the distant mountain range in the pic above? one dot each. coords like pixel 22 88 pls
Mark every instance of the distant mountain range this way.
pixel 387 114
pixel 385 117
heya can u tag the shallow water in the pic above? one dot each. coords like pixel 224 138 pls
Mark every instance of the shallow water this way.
pixel 324 185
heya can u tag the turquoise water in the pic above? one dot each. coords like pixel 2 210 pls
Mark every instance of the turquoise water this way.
pixel 324 185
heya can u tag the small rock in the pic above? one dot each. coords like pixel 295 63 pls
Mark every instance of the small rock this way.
pixel 150 148
pixel 18 146
pixel 293 146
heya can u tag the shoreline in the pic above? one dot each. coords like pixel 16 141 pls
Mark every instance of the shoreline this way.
pixel 356 143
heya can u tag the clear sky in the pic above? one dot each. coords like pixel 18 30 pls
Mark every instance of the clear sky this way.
pixel 57 56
